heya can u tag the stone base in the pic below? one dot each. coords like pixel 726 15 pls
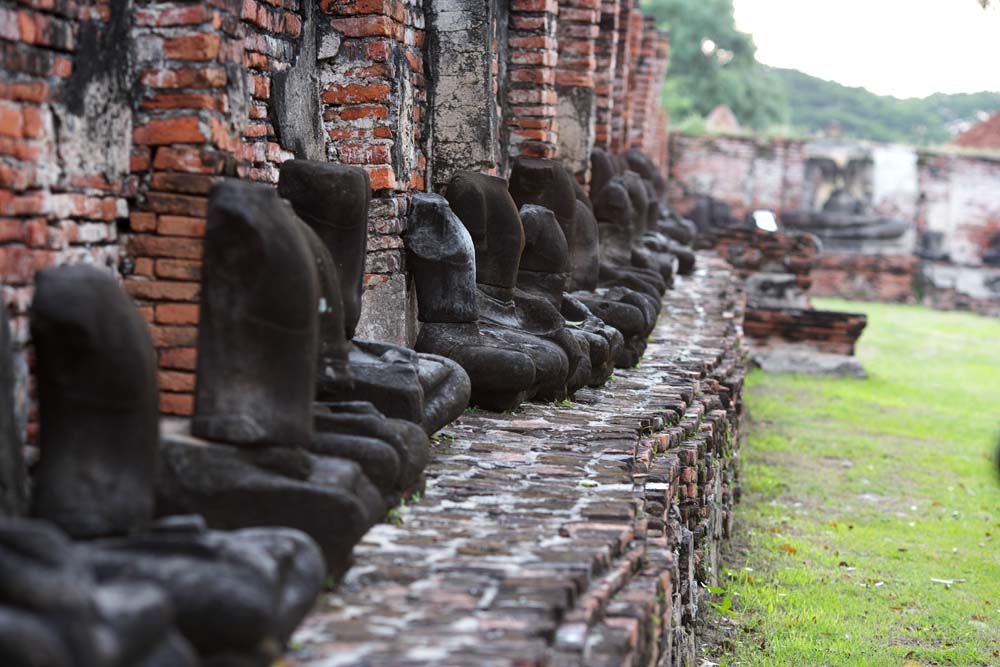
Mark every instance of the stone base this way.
pixel 563 535
pixel 803 358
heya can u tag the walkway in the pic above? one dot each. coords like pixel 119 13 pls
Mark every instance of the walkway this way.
pixel 561 535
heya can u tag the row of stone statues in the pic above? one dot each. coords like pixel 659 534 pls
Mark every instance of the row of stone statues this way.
pixel 145 547
pixel 93 579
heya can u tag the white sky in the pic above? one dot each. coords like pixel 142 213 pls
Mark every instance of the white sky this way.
pixel 906 48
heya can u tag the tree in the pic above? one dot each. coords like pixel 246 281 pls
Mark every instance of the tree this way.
pixel 712 63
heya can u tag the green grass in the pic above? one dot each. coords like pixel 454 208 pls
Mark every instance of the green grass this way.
pixel 858 494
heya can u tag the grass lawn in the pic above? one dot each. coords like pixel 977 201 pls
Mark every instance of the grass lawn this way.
pixel 869 532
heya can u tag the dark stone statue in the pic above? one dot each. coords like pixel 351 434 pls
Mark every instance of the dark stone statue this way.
pixel 257 334
pixel 252 455
pixel 54 612
pixel 547 183
pixel 392 453
pixel 843 220
pixel 133 593
pixel 488 211
pixel 664 233
pixel 237 596
pixel 97 394
pixel 506 368
pixel 13 491
pixel 544 271
pixel 425 389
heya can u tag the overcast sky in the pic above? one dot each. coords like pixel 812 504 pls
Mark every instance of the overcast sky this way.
pixel 906 48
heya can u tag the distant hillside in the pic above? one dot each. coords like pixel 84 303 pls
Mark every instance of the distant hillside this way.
pixel 815 105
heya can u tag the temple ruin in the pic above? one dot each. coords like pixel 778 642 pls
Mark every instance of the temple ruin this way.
pixel 258 258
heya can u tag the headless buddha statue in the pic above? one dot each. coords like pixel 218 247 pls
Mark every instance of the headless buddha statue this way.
pixel 252 454
pixel 485 207
pixel 544 271
pixel 547 183
pixel 506 367
pixel 235 594
pixel 425 389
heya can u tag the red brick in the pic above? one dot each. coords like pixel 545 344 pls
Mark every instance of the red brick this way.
pixel 173 336
pixel 11 121
pixel 164 202
pixel 25 91
pixel 178 130
pixel 293 25
pixel 191 160
pixel 382 178
pixel 183 358
pixel 206 77
pixel 177 313
pixel 364 153
pixel 364 111
pixel 193 184
pixel 17 264
pixel 144 245
pixel 356 93
pixel 162 290
pixel 143 267
pixel 198 47
pixel 32 127
pixel 139 160
pixel 11 229
pixel 185 101
pixel 142 222
pixel 550 6
pixel 368 26
pixel 166 16
pixel 178 269
pixel 176 404
pixel 175 225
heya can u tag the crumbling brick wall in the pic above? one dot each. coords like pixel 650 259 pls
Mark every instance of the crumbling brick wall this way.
pixel 118 116
pixel 954 206
pixel 64 101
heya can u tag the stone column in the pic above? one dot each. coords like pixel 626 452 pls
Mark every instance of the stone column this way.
pixel 579 26
pixel 606 52
pixel 464 115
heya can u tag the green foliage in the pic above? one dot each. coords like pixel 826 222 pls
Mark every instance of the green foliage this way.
pixel 728 74
pixel 816 105
pixel 787 102
pixel 871 510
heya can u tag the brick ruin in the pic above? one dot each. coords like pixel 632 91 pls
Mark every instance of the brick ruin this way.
pixel 116 118
pixel 949 201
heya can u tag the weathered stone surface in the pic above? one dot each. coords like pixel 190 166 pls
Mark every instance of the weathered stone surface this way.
pixel 13 492
pixel 237 595
pixel 55 613
pixel 257 336
pixel 98 404
pixel 555 535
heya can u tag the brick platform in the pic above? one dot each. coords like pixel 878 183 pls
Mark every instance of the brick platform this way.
pixel 563 535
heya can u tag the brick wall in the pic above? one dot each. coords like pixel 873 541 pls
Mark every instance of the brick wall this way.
pixel 116 119
pixel 746 173
pixel 576 108
pixel 64 100
pixel 606 53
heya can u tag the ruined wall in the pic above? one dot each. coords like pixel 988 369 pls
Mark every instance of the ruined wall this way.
pixel 746 173
pixel 948 259
pixel 960 219
pixel 118 116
